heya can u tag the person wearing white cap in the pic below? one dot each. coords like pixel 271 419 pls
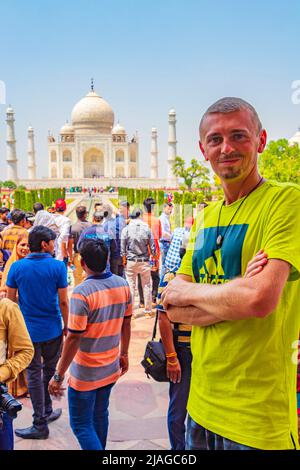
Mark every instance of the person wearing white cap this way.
pixel 64 224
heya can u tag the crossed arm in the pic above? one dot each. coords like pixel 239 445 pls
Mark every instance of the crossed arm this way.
pixel 241 298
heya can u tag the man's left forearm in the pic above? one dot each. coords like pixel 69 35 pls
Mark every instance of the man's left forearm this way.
pixel 64 308
pixel 12 294
pixel 70 348
pixel 191 316
pixel 222 301
pixel 242 298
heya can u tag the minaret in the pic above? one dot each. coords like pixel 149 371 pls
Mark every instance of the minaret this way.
pixel 11 154
pixel 172 151
pixel 31 154
pixel 154 153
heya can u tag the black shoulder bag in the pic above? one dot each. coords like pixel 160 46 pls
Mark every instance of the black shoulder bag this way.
pixel 155 362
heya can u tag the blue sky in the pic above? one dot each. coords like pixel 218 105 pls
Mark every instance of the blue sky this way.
pixel 146 58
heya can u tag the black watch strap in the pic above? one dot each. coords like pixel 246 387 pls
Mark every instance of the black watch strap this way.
pixel 57 377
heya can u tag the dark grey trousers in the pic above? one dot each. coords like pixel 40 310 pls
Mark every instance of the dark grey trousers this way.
pixel 39 373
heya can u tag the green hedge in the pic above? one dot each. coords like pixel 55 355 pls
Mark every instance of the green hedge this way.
pixel 25 199
pixel 187 205
pixel 184 202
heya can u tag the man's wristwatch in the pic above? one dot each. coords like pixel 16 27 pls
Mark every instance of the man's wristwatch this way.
pixel 58 378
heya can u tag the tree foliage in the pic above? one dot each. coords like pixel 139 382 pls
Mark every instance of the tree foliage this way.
pixel 281 162
pixel 195 173
pixel 9 184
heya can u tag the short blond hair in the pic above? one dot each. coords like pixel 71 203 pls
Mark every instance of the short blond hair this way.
pixel 230 104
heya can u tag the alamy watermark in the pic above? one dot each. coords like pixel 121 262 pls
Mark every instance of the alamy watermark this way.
pixel 296 93
pixel 295 355
pixel 2 92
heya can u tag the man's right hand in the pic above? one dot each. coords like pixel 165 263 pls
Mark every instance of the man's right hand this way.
pixel 257 264
pixel 124 363
pixel 56 389
pixel 174 371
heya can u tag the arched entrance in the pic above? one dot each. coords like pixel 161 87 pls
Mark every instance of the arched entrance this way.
pixel 93 163
pixel 67 172
pixel 120 171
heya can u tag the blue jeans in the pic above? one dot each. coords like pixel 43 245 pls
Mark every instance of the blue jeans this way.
pixel 6 433
pixel 89 416
pixel 179 394
pixel 164 248
pixel 199 438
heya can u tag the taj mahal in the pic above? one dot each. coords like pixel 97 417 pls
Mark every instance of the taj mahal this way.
pixel 92 149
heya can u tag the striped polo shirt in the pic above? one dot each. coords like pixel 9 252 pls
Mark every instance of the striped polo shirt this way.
pixel 97 309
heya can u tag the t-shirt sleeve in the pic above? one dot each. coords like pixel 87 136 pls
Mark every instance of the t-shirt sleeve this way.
pixel 11 278
pixel 62 281
pixel 282 229
pixel 79 311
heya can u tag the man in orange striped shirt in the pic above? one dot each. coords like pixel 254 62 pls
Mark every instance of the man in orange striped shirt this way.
pixel 96 346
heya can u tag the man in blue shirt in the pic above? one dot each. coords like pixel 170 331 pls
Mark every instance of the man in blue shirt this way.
pixel 115 227
pixel 41 284
pixel 97 231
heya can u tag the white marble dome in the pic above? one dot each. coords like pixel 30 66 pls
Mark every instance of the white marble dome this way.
pixel 92 113
pixel 118 129
pixel 67 129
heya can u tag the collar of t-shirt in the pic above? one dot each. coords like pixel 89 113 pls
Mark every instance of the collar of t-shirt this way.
pixel 105 275
pixel 39 255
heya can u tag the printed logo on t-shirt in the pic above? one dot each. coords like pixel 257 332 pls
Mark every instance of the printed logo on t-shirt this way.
pixel 215 265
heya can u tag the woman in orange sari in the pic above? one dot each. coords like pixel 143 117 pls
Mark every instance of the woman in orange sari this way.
pixel 18 387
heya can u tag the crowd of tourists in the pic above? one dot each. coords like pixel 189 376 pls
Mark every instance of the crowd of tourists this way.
pixel 225 289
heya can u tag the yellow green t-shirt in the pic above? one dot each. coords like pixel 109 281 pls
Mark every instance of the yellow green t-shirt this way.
pixel 243 384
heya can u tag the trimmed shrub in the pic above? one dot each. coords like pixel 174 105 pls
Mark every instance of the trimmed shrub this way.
pixel 187 205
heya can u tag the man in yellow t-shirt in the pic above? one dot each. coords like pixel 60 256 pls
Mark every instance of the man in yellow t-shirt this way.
pixel 243 385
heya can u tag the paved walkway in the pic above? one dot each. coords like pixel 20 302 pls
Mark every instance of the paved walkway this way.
pixel 138 408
